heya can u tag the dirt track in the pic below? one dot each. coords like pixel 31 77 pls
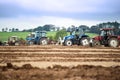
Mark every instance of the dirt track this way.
pixel 60 63
pixel 44 56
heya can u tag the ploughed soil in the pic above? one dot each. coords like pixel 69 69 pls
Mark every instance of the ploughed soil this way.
pixel 57 72
pixel 53 62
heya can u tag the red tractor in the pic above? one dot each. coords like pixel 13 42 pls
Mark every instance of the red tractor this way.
pixel 107 38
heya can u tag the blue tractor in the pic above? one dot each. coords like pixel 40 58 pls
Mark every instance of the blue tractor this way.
pixel 38 37
pixel 77 37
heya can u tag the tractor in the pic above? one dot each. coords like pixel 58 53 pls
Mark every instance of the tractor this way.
pixel 38 37
pixel 13 41
pixel 76 37
pixel 106 38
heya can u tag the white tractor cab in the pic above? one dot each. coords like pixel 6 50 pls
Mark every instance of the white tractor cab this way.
pixel 13 41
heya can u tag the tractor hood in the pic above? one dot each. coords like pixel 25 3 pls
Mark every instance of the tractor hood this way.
pixel 84 35
pixel 97 38
pixel 68 37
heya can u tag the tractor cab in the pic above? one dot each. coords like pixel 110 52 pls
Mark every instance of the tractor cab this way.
pixel 107 32
pixel 40 34
pixel 77 33
pixel 13 40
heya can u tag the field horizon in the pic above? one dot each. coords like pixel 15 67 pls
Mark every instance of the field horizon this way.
pixel 5 35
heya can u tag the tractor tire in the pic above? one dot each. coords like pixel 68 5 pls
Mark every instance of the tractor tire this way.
pixel 17 44
pixel 96 43
pixel 113 42
pixel 68 43
pixel 31 42
pixel 43 41
pixel 84 41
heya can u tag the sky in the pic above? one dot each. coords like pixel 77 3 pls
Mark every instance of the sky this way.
pixel 26 14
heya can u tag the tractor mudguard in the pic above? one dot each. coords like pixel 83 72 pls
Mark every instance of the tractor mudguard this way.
pixel 84 36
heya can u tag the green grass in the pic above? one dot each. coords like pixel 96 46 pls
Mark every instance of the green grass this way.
pixel 51 33
pixel 91 34
pixel 4 35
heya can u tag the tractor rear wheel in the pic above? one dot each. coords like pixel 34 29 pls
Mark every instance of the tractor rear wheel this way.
pixel 84 41
pixel 113 42
pixel 68 43
pixel 43 41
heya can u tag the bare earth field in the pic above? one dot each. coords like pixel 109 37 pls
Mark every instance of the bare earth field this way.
pixel 54 62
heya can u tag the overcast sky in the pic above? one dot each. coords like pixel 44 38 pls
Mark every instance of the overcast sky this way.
pixel 25 14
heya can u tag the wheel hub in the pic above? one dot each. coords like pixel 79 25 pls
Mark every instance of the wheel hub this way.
pixel 113 43
pixel 85 42
pixel 44 42
pixel 69 43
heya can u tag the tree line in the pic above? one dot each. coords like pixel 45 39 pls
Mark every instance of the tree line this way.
pixel 115 25
pixel 10 29
pixel 47 27
pixel 90 29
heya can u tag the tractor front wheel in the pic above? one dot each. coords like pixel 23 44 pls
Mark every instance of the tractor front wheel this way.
pixel 84 41
pixel 68 43
pixel 17 44
pixel 44 41
pixel 30 42
pixel 113 42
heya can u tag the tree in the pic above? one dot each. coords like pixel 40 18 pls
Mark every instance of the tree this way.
pixel 116 27
pixel 95 29
pixel 68 29
pixel 13 29
pixel 40 28
pixel 61 34
pixel 16 29
pixel 3 29
pixel 73 27
pixel 48 27
pixel 10 30
pixel 63 28
pixel 6 29
pixel 84 27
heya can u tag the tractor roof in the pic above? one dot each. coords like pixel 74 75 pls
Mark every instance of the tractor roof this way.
pixel 105 29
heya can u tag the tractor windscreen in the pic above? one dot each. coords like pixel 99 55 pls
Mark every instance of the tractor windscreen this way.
pixel 32 35
pixel 103 33
pixel 43 34
pixel 106 33
pixel 37 34
pixel 13 38
pixel 79 32
pixel 40 34
pixel 111 32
